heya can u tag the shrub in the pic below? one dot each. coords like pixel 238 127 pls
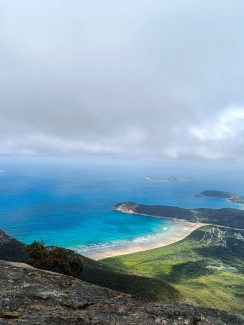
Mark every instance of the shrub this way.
pixel 37 254
pixel 54 259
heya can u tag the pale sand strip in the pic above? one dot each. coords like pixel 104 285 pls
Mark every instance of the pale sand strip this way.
pixel 185 229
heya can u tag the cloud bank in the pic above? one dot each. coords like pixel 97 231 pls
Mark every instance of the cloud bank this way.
pixel 151 78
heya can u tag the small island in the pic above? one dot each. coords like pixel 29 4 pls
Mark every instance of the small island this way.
pixel 174 179
pixel 234 198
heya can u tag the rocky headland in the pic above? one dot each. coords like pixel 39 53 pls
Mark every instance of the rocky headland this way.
pixel 228 217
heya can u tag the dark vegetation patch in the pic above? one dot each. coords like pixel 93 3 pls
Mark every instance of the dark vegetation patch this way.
pixel 189 270
pixel 54 259
pixel 139 286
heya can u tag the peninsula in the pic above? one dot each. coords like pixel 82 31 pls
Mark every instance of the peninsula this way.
pixel 228 217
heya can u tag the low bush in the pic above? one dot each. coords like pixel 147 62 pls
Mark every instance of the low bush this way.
pixel 54 259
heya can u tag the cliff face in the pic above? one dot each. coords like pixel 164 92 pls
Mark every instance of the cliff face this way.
pixel 33 296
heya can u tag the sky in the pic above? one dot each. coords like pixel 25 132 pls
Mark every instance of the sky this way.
pixel 160 78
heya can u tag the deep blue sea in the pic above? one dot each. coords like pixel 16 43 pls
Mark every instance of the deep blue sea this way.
pixel 68 202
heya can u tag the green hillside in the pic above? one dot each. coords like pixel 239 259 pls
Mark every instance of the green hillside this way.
pixel 207 267
pixel 140 287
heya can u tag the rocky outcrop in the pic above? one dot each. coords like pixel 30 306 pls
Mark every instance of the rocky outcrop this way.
pixel 11 249
pixel 174 179
pixel 33 296
pixel 127 207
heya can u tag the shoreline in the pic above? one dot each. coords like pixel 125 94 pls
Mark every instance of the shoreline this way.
pixel 185 228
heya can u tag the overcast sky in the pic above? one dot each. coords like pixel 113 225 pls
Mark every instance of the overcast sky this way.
pixel 131 77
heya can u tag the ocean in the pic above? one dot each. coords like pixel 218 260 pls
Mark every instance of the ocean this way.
pixel 68 201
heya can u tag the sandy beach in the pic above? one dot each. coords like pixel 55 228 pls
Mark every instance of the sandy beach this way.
pixel 184 229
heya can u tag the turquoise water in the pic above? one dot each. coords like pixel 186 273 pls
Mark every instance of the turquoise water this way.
pixel 68 202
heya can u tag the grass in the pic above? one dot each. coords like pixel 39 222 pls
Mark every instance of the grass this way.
pixel 141 287
pixel 207 267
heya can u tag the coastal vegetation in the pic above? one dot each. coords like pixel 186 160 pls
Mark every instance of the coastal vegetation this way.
pixel 139 286
pixel 228 217
pixel 207 267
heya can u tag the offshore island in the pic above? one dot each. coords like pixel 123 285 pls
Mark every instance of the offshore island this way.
pixel 233 198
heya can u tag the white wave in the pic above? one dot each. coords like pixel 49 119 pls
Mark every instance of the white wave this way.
pixel 125 243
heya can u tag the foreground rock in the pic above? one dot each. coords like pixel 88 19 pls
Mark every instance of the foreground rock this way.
pixel 33 296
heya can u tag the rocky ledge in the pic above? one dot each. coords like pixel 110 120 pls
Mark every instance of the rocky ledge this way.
pixel 33 296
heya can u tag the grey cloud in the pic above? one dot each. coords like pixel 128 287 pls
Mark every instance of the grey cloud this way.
pixel 129 77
